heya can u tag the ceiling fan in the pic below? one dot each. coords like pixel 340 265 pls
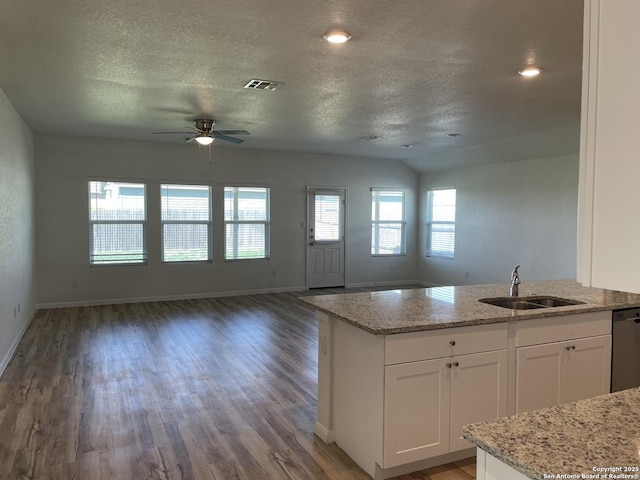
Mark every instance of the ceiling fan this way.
pixel 205 135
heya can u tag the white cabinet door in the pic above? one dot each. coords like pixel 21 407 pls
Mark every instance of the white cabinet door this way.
pixel 478 392
pixel 586 368
pixel 428 402
pixel 538 376
pixel 416 423
pixel 555 373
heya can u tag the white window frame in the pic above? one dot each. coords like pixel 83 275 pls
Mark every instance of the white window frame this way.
pixel 208 222
pixel 93 223
pixel 236 222
pixel 432 224
pixel 376 223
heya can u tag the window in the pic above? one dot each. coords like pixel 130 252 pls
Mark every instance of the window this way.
pixel 186 223
pixel 387 222
pixel 327 216
pixel 441 223
pixel 117 223
pixel 246 218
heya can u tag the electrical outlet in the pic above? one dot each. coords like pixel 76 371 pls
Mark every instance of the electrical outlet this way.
pixel 19 307
pixel 15 313
pixel 274 273
pixel 74 283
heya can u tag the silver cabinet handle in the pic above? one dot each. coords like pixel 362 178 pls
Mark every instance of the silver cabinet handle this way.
pixel 570 347
pixel 448 364
pixel 456 364
pixel 452 343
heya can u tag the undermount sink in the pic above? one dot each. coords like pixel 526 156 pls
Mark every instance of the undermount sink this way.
pixel 527 303
pixel 553 301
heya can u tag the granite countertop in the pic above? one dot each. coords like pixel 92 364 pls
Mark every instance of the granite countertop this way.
pixel 572 439
pixel 410 310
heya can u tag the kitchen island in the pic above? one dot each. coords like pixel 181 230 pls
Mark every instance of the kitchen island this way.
pixel 594 438
pixel 401 371
pixel 410 310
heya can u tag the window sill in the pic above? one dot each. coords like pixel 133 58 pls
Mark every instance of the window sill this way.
pixel 233 260
pixel 440 257
pixel 187 262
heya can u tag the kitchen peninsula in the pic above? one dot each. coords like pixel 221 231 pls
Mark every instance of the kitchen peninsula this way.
pixel 594 438
pixel 400 372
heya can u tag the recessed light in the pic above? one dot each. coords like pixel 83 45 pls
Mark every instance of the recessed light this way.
pixel 530 71
pixel 369 137
pixel 453 135
pixel 337 36
pixel 408 145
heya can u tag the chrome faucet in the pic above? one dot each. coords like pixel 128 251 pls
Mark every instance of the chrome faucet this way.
pixel 515 281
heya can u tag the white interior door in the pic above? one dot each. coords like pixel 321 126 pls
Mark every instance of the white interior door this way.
pixel 325 237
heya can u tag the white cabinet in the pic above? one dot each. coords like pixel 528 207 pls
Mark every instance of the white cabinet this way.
pixel 478 392
pixel 550 373
pixel 427 402
pixel 608 229
pixel 561 372
pixel 416 411
pixel 538 377
pixel 397 403
pixel 489 467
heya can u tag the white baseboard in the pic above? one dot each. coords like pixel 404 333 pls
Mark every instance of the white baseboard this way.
pixel 326 435
pixel 16 341
pixel 385 473
pixel 384 283
pixel 231 293
pixel 165 298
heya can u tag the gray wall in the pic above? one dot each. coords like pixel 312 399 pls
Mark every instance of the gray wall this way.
pixel 64 165
pixel 522 213
pixel 17 229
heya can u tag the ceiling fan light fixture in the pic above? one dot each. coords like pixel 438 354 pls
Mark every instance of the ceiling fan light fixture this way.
pixel 204 139
pixel 530 71
pixel 337 36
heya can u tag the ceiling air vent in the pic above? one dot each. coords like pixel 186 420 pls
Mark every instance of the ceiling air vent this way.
pixel 268 85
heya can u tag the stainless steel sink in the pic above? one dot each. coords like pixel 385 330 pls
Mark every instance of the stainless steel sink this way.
pixel 553 301
pixel 527 303
pixel 508 302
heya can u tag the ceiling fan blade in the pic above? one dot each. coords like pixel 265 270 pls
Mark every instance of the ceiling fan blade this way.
pixel 162 133
pixel 189 139
pixel 222 136
pixel 233 132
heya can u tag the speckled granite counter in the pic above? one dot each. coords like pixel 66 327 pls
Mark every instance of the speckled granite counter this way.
pixel 410 310
pixel 571 439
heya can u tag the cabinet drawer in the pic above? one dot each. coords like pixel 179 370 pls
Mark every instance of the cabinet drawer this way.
pixel 565 327
pixel 446 342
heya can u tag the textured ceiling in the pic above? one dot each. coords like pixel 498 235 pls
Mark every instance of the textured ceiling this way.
pixel 414 71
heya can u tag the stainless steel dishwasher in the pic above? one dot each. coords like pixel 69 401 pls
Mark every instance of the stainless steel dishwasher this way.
pixel 625 349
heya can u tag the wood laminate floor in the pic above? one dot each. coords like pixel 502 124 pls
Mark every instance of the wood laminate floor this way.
pixel 221 388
